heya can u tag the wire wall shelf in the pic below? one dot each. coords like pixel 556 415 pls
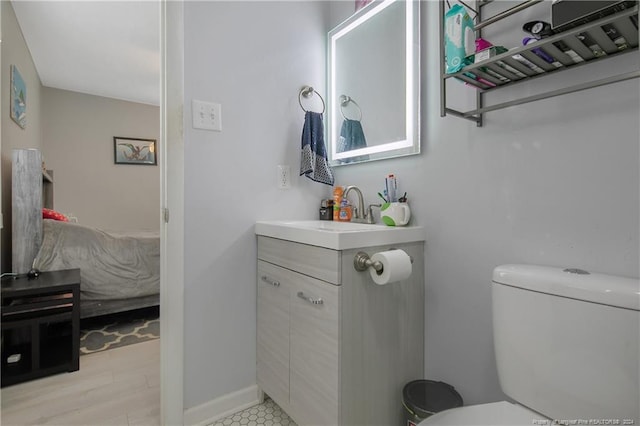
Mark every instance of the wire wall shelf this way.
pixel 507 69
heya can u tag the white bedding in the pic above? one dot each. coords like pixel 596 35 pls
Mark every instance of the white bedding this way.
pixel 112 266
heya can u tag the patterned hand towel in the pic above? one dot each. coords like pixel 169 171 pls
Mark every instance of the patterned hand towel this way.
pixel 313 162
pixel 352 137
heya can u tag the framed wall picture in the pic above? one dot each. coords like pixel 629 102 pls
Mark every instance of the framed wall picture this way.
pixel 135 151
pixel 18 108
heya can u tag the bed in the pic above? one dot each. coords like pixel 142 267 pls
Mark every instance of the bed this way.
pixel 118 272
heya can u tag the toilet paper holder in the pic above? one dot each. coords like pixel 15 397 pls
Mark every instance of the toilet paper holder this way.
pixel 362 261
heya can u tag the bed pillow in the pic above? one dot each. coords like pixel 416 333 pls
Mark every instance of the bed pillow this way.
pixel 52 214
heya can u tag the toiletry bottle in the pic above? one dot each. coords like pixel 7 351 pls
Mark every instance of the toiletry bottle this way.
pixel 326 210
pixel 345 211
pixel 337 198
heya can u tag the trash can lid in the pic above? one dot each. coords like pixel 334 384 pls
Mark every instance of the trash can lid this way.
pixel 427 397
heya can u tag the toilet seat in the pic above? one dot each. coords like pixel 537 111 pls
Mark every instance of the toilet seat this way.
pixel 495 413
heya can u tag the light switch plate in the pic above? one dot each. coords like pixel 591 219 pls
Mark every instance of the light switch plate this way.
pixel 206 115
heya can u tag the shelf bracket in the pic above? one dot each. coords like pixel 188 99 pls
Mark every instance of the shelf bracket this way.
pixel 554 93
pixel 465 115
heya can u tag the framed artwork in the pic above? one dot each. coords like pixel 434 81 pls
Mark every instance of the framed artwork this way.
pixel 18 108
pixel 134 151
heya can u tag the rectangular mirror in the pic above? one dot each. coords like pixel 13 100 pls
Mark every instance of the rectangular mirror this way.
pixel 373 80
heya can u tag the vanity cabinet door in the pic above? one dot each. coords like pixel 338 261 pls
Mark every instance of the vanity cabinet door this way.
pixel 314 381
pixel 272 344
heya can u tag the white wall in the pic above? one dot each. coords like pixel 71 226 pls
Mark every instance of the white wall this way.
pixel 554 182
pixel 15 52
pixel 253 58
pixel 78 134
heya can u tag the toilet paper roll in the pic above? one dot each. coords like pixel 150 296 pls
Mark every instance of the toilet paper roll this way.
pixel 396 266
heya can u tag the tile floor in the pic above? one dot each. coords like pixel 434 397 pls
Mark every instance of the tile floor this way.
pixel 268 414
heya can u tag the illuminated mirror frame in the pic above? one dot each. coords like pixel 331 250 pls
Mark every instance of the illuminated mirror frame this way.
pixel 396 148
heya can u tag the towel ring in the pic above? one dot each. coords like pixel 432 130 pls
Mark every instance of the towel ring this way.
pixel 344 101
pixel 307 92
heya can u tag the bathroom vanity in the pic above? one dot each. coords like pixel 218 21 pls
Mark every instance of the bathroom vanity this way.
pixel 333 347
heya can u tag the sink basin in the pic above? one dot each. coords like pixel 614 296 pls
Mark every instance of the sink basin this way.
pixel 338 235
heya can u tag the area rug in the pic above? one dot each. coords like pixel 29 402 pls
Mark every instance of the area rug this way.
pixel 117 330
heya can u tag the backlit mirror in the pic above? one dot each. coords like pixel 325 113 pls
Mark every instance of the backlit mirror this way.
pixel 373 82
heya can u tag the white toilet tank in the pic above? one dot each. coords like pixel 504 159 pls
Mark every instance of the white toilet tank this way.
pixel 567 343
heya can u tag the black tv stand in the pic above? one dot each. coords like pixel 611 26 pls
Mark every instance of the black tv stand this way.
pixel 40 325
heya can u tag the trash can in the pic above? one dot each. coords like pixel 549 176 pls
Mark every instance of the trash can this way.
pixel 422 398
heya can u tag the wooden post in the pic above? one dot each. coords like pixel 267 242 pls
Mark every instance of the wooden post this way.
pixel 26 199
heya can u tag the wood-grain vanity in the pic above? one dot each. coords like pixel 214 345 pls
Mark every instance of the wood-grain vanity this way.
pixel 334 348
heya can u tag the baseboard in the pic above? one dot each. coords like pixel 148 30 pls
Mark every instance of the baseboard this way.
pixel 216 409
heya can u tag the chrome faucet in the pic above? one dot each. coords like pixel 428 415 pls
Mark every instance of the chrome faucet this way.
pixel 359 213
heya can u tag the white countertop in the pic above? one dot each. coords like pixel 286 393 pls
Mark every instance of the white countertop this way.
pixel 339 235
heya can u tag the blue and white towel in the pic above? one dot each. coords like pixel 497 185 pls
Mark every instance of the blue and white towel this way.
pixel 313 162
pixel 352 137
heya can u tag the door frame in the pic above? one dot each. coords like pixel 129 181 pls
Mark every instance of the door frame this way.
pixel 171 152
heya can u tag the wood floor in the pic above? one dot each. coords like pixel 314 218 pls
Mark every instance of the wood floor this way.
pixel 116 387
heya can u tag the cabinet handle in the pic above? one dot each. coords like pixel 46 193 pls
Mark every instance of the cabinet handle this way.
pixel 317 301
pixel 270 281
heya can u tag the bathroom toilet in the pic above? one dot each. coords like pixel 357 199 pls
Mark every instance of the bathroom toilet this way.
pixel 494 414
pixel 567 349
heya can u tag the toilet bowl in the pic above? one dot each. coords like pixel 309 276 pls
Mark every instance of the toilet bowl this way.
pixel 586 327
pixel 492 414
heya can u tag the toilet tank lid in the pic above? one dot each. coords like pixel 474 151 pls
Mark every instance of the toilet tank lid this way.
pixel 593 287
